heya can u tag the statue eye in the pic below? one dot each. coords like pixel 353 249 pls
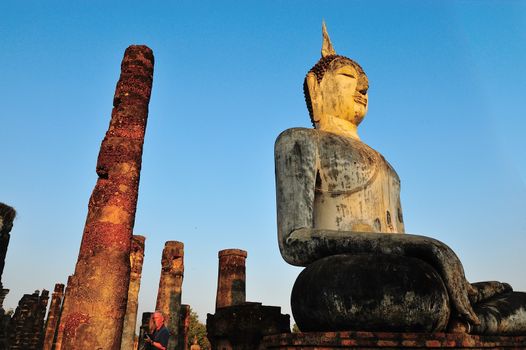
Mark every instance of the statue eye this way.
pixel 363 91
pixel 348 75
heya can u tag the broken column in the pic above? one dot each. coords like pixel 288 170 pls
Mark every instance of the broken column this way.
pixel 169 294
pixel 184 326
pixel 7 216
pixel 136 260
pixel 27 324
pixel 53 316
pixel 95 304
pixel 145 328
pixel 231 278
pixel 238 324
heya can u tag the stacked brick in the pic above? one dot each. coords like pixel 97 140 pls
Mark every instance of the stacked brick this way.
pixel 136 261
pixel 170 289
pixel 96 295
pixel 26 327
pixel 389 340
pixel 53 316
pixel 7 216
pixel 184 325
pixel 145 326
pixel 231 278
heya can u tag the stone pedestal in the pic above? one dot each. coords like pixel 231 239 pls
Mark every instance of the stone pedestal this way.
pixel 386 340
pixel 170 289
pixel 231 278
pixel 53 316
pixel 241 327
pixel 130 321
pixel 96 295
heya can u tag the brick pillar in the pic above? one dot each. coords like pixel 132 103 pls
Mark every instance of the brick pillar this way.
pixel 231 278
pixel 145 325
pixel 170 284
pixel 27 324
pixel 184 325
pixel 95 304
pixel 7 216
pixel 53 316
pixel 136 260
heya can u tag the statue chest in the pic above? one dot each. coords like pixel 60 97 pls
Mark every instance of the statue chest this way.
pixel 356 188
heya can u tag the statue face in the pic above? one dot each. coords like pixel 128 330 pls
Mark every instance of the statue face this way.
pixel 342 94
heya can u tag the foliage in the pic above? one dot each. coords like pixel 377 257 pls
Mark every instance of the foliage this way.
pixel 197 329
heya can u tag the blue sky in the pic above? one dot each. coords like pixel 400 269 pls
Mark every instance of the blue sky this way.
pixel 446 108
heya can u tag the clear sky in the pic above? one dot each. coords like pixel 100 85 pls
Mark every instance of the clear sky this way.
pixel 446 108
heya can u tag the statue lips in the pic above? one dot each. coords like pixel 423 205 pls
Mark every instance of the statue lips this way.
pixel 361 100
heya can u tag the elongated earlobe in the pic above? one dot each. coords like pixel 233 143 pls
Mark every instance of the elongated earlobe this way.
pixel 313 88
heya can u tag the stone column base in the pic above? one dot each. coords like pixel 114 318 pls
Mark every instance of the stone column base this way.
pixel 385 340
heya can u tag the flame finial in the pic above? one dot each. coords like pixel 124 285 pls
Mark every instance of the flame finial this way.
pixel 326 49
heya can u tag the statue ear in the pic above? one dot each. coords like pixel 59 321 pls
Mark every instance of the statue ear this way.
pixel 312 84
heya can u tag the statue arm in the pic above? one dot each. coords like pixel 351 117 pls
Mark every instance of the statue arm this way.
pixel 296 167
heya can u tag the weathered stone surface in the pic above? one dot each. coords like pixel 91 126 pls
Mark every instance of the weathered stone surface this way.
pixel 96 294
pixel 370 293
pixel 27 324
pixel 7 216
pixel 385 340
pixel 184 325
pixel 336 195
pixel 241 327
pixel 53 316
pixel 145 328
pixel 231 287
pixel 170 288
pixel 502 314
pixel 130 320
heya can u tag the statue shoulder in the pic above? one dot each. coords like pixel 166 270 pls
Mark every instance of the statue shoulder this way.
pixel 297 134
pixel 297 143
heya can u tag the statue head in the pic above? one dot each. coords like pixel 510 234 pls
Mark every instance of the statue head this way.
pixel 336 90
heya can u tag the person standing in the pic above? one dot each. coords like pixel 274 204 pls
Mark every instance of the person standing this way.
pixel 158 340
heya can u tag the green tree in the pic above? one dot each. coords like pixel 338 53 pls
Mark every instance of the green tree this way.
pixel 197 329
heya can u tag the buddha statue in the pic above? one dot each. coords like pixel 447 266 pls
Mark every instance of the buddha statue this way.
pixel 339 215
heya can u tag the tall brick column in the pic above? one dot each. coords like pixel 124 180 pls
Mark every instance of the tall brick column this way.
pixel 170 285
pixel 53 316
pixel 95 304
pixel 231 278
pixel 136 260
